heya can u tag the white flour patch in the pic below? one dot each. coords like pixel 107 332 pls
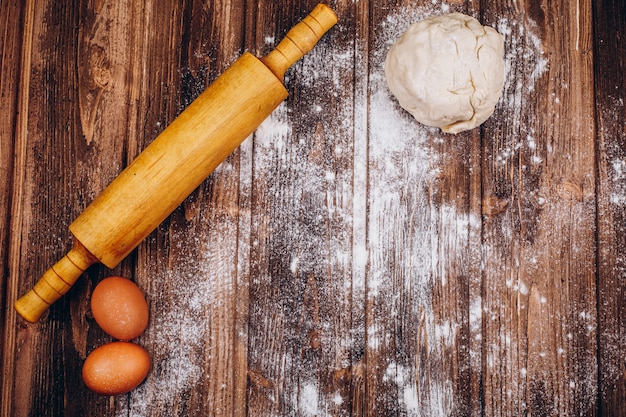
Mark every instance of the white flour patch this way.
pixel 618 179
pixel 522 48
pixel 274 130
pixel 308 401
pixel 446 333
pixel 523 55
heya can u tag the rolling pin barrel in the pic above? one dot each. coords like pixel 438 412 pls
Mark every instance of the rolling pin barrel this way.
pixel 176 162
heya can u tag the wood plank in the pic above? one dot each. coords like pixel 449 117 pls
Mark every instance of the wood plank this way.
pixel 36 346
pixel 610 87
pixel 539 274
pixel 423 228
pixel 195 292
pixel 61 161
pixel 417 249
pixel 300 358
pixel 16 27
pixel 191 288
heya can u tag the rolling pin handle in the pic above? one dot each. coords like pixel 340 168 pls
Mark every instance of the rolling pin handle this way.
pixel 300 40
pixel 55 282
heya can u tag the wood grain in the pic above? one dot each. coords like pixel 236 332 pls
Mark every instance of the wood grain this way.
pixel 324 269
pixel 539 303
pixel 12 144
pixel 610 87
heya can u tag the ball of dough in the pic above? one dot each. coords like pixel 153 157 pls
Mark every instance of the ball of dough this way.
pixel 447 71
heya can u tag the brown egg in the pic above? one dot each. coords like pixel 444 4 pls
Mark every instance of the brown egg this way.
pixel 116 368
pixel 119 307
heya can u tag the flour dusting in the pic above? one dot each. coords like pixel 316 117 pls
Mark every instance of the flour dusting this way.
pixel 308 400
pixel 618 178
pixel 178 329
pixel 386 252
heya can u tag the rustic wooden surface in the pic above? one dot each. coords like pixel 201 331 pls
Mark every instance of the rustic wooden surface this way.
pixel 345 260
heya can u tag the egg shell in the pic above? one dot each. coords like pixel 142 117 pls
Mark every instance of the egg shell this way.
pixel 116 368
pixel 119 308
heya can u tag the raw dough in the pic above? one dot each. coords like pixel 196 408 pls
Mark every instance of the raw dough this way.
pixel 447 71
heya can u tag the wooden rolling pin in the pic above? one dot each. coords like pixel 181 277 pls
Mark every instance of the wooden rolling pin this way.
pixel 177 162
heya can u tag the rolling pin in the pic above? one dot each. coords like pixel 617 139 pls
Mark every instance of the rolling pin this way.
pixel 176 162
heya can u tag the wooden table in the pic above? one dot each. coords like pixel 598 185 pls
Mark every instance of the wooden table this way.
pixel 345 260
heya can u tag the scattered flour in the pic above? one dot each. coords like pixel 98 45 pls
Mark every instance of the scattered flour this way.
pixel 380 201
pixel 618 179
pixel 178 330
